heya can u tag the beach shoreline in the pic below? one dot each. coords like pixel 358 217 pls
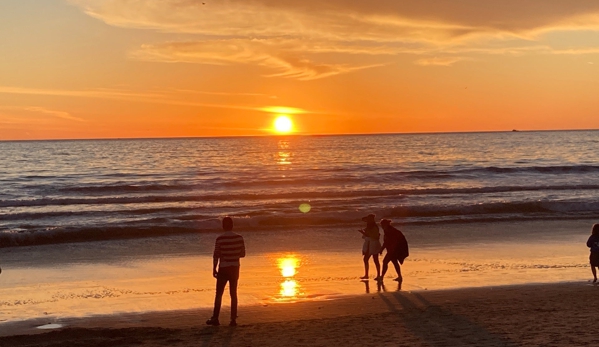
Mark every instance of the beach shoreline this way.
pixel 170 274
pixel 559 314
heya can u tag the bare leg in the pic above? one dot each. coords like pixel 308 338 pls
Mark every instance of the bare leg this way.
pixel 385 267
pixel 397 269
pixel 366 257
pixel 594 273
pixel 375 257
pixel 386 261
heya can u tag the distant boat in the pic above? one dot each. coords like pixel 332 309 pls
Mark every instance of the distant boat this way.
pixel 515 130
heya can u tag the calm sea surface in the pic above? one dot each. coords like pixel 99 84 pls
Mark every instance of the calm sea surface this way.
pixel 60 191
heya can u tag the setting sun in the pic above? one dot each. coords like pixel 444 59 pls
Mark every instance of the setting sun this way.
pixel 283 124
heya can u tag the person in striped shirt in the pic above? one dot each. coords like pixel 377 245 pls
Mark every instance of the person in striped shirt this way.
pixel 228 248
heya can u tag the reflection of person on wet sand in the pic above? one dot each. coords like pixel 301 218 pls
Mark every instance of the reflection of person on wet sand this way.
pixel 380 287
pixel 371 246
pixel 593 244
pixel 397 249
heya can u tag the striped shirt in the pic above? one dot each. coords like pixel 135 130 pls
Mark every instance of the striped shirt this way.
pixel 229 247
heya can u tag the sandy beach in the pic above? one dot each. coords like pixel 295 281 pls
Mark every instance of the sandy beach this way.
pixel 529 315
pixel 479 290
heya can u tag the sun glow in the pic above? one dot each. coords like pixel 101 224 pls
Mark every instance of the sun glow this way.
pixel 288 266
pixel 283 124
pixel 289 289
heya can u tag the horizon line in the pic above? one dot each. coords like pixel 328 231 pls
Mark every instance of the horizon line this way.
pixel 294 134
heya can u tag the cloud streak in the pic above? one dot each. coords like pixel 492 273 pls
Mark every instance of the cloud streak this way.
pixel 281 55
pixel 32 116
pixel 384 20
pixel 164 97
pixel 289 36
pixel 58 114
pixel 439 61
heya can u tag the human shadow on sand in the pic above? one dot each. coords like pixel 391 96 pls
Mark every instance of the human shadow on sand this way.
pixel 438 327
pixel 215 336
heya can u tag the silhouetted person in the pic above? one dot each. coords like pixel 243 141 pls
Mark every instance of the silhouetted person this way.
pixel 593 244
pixel 228 248
pixel 397 248
pixel 371 246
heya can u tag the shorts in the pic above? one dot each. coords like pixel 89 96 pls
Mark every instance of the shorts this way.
pixel 594 258
pixel 371 246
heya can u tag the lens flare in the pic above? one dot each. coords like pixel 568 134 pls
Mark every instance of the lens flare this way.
pixel 305 208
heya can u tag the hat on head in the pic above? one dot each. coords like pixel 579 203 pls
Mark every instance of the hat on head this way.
pixel 385 222
pixel 370 217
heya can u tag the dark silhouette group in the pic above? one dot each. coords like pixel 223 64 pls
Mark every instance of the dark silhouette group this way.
pixel 394 242
pixel 230 247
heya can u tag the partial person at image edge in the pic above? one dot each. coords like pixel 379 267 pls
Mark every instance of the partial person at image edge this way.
pixel 593 244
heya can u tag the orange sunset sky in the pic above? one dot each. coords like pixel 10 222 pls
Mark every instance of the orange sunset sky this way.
pixel 162 68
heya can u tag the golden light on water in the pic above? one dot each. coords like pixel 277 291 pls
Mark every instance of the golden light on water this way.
pixel 283 124
pixel 289 289
pixel 284 154
pixel 288 266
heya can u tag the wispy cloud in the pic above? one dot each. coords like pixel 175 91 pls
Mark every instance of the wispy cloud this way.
pixel 283 109
pixel 58 114
pixel 11 116
pixel 383 20
pixel 223 93
pixel 288 36
pixel 276 54
pixel 158 97
pixel 439 61
pixel 97 93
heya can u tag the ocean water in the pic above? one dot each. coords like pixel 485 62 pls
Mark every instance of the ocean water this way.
pixel 90 190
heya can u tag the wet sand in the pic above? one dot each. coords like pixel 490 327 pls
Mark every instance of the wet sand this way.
pixel 60 281
pixel 530 315
pixel 474 290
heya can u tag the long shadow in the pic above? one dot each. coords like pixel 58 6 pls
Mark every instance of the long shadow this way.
pixel 438 327
pixel 228 337
pixel 207 336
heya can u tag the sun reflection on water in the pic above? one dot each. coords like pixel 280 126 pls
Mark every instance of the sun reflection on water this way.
pixel 288 266
pixel 289 289
pixel 284 154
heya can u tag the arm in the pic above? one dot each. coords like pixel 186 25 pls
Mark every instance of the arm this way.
pixel 214 264
pixel 215 258
pixel 589 243
pixel 242 254
pixel 383 247
pixel 385 243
